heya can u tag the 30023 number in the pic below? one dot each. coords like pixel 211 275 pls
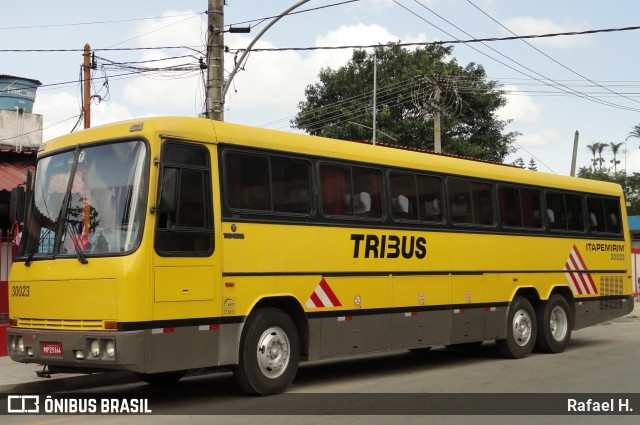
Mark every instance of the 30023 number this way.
pixel 617 257
pixel 20 291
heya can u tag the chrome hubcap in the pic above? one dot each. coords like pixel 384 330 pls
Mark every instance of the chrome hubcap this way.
pixel 274 352
pixel 522 327
pixel 558 323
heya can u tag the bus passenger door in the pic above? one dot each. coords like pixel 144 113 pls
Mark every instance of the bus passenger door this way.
pixel 185 276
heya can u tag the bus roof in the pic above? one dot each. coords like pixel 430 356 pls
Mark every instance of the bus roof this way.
pixel 208 131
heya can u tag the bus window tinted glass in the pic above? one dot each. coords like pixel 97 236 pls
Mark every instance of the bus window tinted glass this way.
pixel 366 198
pixel 520 207
pixel 403 196
pixel 336 186
pixel 575 219
pixel 604 215
pixel 564 211
pixel 460 201
pixel 510 212
pixel 531 206
pixel 482 198
pixel 291 185
pixel 430 198
pixel 248 181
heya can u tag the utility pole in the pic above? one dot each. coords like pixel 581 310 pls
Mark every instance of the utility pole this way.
pixel 215 60
pixel 575 154
pixel 437 141
pixel 86 88
pixel 375 89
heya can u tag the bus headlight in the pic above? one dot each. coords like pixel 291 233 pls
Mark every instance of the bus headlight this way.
pixel 12 344
pixel 111 349
pixel 95 348
pixel 21 345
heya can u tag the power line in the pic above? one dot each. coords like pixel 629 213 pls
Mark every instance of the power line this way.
pixel 577 93
pixel 441 42
pixel 547 56
pixel 71 24
pixel 107 49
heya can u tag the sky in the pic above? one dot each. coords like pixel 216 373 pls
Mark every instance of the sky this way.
pixel 554 86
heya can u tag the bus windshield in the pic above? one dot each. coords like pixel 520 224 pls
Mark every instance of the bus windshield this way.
pixel 89 201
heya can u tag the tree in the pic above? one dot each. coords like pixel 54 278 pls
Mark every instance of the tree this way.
pixel 594 151
pixel 340 104
pixel 635 132
pixel 630 185
pixel 532 165
pixel 615 149
pixel 519 162
pixel 597 149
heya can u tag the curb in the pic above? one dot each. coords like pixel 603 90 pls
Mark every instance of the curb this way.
pixel 70 383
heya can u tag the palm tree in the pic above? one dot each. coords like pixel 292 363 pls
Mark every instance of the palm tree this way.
pixel 635 132
pixel 600 147
pixel 615 148
pixel 594 151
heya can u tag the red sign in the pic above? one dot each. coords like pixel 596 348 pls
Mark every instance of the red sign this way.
pixel 51 348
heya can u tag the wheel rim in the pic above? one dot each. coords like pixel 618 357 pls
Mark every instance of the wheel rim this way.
pixel 274 352
pixel 558 323
pixel 522 327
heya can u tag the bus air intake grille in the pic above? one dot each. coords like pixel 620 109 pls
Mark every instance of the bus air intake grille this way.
pixel 611 291
pixel 61 324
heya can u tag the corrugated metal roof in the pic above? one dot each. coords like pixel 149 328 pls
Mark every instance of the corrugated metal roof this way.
pixel 21 78
pixel 13 174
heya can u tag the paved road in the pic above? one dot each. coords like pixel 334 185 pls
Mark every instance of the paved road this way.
pixel 604 359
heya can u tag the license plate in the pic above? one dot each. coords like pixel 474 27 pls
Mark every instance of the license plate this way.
pixel 51 348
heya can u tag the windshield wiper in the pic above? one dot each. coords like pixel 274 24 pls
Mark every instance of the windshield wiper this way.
pixel 79 253
pixel 33 252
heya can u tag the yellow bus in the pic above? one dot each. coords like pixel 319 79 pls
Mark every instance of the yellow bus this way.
pixel 164 245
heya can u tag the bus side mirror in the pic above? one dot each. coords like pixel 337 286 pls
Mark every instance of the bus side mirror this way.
pixel 16 205
pixel 168 191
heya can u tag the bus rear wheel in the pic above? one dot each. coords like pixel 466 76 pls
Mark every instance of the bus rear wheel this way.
pixel 269 352
pixel 521 330
pixel 554 325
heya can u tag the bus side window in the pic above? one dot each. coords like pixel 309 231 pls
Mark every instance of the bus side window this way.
pixel 556 215
pixel 459 201
pixel 604 214
pixel 402 188
pixel 335 186
pixel 531 207
pixel 429 198
pixel 291 181
pixel 575 216
pixel 597 221
pixel 247 178
pixel 510 211
pixel 367 184
pixel 351 191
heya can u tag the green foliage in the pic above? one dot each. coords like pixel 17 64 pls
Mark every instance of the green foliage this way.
pixel 340 104
pixel 630 184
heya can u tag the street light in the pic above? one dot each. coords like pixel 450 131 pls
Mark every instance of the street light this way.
pixel 248 49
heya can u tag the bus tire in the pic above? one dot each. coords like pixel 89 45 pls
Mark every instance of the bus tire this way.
pixel 269 352
pixel 521 330
pixel 554 325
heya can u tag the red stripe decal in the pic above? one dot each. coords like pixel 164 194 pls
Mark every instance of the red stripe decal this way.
pixel 329 293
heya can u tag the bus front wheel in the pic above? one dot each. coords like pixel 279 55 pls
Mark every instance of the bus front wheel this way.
pixel 521 330
pixel 554 325
pixel 269 352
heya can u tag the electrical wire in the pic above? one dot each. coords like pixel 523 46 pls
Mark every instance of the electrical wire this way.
pixel 549 57
pixel 575 92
